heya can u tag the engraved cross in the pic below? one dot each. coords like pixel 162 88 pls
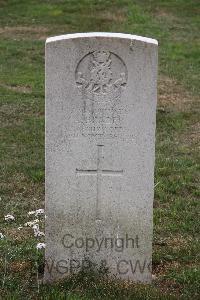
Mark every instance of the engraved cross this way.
pixel 99 172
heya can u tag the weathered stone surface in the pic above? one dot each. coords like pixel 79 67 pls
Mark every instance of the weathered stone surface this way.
pixel 100 137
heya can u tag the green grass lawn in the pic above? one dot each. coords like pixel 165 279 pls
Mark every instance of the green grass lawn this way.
pixel 24 26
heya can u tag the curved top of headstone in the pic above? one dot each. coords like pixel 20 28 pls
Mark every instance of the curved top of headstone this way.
pixel 102 34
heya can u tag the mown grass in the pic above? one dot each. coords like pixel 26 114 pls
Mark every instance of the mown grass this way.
pixel 24 25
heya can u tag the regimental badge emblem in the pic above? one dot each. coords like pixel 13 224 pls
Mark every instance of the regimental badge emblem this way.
pixel 101 77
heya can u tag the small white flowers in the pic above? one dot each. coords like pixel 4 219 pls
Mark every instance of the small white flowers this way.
pixel 1 236
pixel 37 212
pixel 40 245
pixel 38 216
pixel 9 218
pixel 31 223
pixel 35 227
pixel 30 213
pixel 35 224
pixel 37 232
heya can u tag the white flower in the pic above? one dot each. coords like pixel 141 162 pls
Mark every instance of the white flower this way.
pixel 35 227
pixel 31 223
pixel 30 213
pixel 38 233
pixel 40 245
pixel 39 212
pixel 20 227
pixel 9 218
pixel 1 236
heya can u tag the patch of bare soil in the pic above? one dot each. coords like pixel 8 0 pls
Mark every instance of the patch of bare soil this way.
pixel 161 13
pixel 20 189
pixel 164 267
pixel 114 16
pixel 19 266
pixel 193 136
pixel 24 32
pixel 178 242
pixel 172 95
pixel 19 235
pixel 166 286
pixel 25 89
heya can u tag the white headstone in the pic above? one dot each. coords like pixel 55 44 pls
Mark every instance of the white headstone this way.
pixel 100 139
